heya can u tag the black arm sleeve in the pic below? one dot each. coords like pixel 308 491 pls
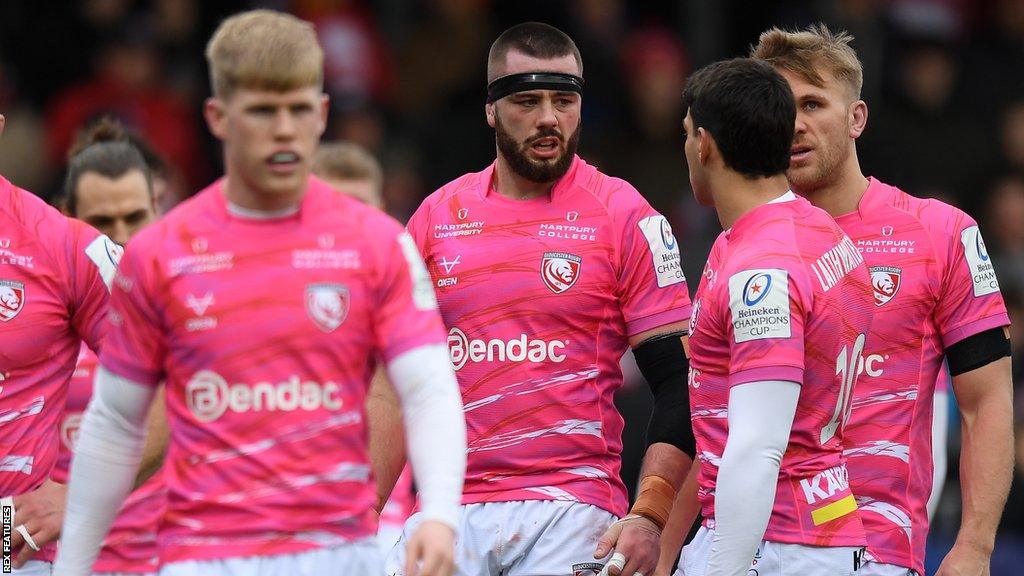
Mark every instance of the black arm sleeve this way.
pixel 978 350
pixel 663 363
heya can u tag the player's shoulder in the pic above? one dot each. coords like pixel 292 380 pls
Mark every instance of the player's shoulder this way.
pixel 782 234
pixel 938 218
pixel 32 214
pixel 612 192
pixel 459 188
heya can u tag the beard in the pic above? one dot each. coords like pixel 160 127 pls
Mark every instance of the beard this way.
pixel 541 172
pixel 821 173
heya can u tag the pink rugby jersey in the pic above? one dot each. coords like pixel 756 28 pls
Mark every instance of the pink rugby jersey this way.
pixel 266 331
pixel 933 285
pixel 130 547
pixel 784 296
pixel 54 273
pixel 540 297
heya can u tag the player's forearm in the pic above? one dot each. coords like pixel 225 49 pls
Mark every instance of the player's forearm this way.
pixel 106 458
pixel 435 428
pixel 667 461
pixel 744 496
pixel 760 419
pixel 684 512
pixel 387 436
pixel 986 456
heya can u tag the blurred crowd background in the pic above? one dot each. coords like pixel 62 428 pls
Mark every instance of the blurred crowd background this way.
pixel 944 83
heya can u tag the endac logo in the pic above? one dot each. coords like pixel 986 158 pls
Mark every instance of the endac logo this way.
pixel 463 350
pixel 209 396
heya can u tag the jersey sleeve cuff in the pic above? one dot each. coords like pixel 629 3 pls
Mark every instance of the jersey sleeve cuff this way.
pixel 638 325
pixel 767 373
pixel 137 375
pixel 975 327
pixel 396 349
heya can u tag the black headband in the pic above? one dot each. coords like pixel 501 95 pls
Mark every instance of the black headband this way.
pixel 506 85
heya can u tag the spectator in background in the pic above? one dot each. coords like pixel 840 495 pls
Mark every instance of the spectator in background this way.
pixel 128 86
pixel 357 62
pixel 460 30
pixel 1011 133
pixel 922 139
pixel 600 28
pixel 1006 221
pixel 23 157
pixel 439 96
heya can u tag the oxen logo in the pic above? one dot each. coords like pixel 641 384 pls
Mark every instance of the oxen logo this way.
pixel 12 299
pixel 757 287
pixel 885 280
pixel 327 305
pixel 560 270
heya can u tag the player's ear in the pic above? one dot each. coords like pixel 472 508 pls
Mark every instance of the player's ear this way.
pixel 325 108
pixel 489 113
pixel 216 116
pixel 704 146
pixel 858 115
pixel 3 121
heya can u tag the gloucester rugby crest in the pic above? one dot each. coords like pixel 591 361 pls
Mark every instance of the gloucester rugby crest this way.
pixel 327 305
pixel 885 281
pixel 12 299
pixel 560 270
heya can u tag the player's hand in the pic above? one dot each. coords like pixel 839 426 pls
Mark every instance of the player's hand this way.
pixel 636 541
pixel 431 550
pixel 41 512
pixel 965 560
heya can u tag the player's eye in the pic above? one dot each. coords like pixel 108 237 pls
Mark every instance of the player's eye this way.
pixel 811 105
pixel 135 217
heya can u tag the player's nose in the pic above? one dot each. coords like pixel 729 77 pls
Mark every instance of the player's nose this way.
pixel 546 114
pixel 119 233
pixel 284 124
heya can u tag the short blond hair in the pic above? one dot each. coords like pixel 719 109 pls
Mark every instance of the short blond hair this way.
pixel 347 161
pixel 264 50
pixel 801 52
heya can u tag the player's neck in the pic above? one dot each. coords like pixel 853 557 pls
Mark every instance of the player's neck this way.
pixel 512 185
pixel 736 195
pixel 842 195
pixel 240 194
